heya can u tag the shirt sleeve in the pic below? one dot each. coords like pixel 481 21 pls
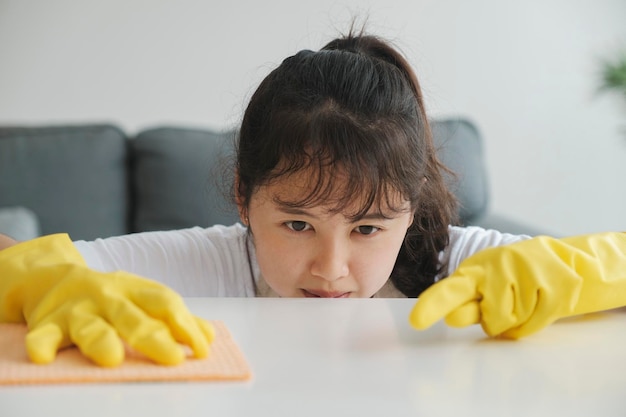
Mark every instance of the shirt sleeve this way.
pixel 195 262
pixel 466 241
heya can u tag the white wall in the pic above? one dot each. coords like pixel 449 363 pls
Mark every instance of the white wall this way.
pixel 525 72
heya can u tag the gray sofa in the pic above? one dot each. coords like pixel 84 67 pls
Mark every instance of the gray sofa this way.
pixel 95 181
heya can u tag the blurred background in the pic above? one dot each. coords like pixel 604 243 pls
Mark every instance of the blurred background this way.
pixel 527 73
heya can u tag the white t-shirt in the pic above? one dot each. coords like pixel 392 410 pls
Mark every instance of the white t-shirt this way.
pixel 220 261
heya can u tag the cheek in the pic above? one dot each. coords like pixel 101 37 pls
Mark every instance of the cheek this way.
pixel 373 268
pixel 280 264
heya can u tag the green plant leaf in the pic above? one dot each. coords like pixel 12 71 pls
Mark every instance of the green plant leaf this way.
pixel 613 76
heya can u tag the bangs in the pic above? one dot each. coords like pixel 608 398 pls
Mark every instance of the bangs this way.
pixel 344 163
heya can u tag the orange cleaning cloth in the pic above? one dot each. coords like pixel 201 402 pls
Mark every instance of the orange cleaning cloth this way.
pixel 224 363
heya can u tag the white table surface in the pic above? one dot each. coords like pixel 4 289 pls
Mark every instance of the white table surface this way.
pixel 348 357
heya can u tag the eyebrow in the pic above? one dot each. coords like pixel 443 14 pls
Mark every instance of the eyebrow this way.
pixel 288 209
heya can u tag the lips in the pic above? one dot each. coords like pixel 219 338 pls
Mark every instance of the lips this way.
pixel 325 294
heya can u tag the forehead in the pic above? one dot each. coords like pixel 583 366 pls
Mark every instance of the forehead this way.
pixel 335 191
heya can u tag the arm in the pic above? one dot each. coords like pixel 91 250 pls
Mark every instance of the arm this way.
pixel 195 262
pixel 467 241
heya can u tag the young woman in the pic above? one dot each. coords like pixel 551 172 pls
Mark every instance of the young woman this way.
pixel 340 194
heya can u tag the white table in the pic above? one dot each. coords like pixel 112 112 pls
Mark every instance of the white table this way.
pixel 315 357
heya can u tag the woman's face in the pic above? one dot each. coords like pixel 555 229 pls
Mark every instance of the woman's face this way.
pixel 311 252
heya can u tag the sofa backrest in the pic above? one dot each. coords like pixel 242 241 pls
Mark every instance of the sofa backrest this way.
pixel 74 178
pixel 460 147
pixel 178 179
pixel 92 181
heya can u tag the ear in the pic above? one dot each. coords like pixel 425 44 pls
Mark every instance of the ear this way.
pixel 241 208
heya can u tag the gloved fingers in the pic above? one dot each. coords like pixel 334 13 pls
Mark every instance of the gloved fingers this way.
pixel 543 315
pixel 207 329
pixel 441 299
pixel 95 337
pixel 158 345
pixel 44 341
pixel 167 306
pixel 147 335
pixel 465 315
pixel 514 304
pixel 535 324
pixel 502 307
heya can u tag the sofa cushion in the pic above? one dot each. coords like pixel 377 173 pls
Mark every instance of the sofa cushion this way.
pixel 178 179
pixel 72 177
pixel 19 223
pixel 459 146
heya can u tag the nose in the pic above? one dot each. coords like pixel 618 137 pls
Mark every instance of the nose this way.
pixel 331 260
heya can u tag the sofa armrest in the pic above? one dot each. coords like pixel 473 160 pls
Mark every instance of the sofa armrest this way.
pixel 19 223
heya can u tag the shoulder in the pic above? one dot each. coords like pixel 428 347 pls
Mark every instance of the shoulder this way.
pixel 179 243
pixel 475 236
pixel 466 241
pixel 197 261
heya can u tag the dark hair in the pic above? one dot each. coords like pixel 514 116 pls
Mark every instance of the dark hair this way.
pixel 353 108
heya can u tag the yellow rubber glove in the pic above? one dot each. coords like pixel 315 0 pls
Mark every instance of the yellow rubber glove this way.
pixel 46 284
pixel 518 289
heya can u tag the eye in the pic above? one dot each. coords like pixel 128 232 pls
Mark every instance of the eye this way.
pixel 367 230
pixel 298 226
